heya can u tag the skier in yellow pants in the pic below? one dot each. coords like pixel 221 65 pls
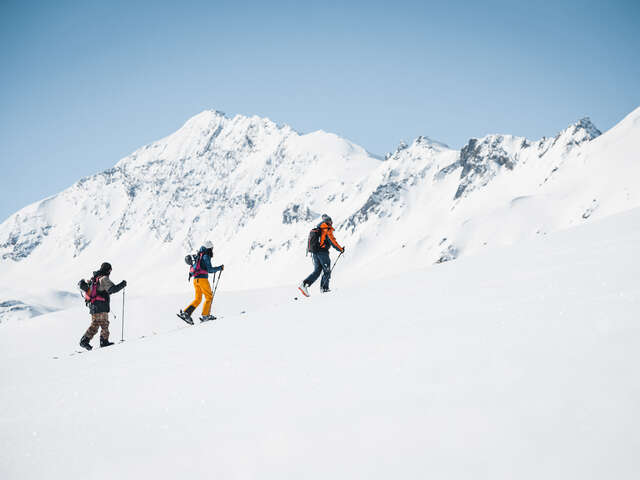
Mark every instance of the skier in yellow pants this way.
pixel 200 270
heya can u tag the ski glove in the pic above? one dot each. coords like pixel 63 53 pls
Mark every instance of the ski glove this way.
pixel 117 288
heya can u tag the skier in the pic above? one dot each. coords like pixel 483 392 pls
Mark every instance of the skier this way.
pixel 320 239
pixel 99 290
pixel 200 271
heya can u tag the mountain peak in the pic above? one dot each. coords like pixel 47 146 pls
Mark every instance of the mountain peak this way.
pixel 206 117
pixel 585 129
pixel 421 142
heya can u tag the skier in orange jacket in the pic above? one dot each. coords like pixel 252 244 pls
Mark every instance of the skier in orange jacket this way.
pixel 320 255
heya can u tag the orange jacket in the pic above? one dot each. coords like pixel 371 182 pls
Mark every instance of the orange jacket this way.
pixel 327 233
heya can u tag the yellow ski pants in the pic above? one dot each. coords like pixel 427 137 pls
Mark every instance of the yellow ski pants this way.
pixel 202 286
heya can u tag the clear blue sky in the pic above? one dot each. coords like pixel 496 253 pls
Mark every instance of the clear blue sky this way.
pixel 82 84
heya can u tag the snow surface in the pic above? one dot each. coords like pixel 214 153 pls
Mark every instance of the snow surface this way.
pixel 255 188
pixel 518 362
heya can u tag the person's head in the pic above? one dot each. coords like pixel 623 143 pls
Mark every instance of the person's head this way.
pixel 327 219
pixel 105 268
pixel 208 247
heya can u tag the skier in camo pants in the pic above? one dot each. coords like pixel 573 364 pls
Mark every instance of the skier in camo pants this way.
pixel 98 302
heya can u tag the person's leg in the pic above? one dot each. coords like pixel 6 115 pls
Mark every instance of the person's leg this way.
pixel 93 328
pixel 208 296
pixel 103 321
pixel 325 263
pixel 198 299
pixel 316 272
pixel 88 335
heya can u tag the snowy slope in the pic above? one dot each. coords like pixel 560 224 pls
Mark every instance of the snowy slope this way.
pixel 518 362
pixel 255 188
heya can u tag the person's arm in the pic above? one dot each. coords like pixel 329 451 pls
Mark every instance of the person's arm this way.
pixel 116 288
pixel 207 264
pixel 106 285
pixel 333 241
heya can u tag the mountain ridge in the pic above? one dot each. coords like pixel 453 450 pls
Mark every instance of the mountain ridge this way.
pixel 255 186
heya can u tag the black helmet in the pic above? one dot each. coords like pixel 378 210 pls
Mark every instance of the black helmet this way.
pixel 326 218
pixel 105 268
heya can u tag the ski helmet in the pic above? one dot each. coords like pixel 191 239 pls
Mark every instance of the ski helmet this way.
pixel 105 268
pixel 326 218
pixel 208 245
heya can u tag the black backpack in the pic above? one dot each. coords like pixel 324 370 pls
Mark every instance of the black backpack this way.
pixel 190 259
pixel 83 286
pixel 313 244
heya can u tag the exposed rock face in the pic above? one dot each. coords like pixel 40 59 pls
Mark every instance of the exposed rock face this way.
pixel 296 213
pixel 481 161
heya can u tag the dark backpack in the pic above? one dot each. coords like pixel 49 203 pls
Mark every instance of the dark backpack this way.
pixel 313 244
pixel 194 262
pixel 83 286
pixel 90 290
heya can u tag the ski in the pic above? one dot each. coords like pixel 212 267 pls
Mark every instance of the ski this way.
pixel 189 320
pixel 185 318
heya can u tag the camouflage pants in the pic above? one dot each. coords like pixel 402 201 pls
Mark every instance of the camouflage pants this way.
pixel 98 320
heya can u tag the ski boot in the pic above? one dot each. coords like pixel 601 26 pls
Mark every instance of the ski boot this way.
pixel 104 342
pixel 84 343
pixel 186 315
pixel 206 318
pixel 303 288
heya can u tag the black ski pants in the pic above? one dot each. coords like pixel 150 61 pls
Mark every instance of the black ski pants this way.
pixel 321 264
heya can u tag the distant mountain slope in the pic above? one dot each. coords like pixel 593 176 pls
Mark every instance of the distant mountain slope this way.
pixel 255 188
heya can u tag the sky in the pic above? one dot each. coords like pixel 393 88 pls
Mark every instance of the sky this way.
pixel 83 84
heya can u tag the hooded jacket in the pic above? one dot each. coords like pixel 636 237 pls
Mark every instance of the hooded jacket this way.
pixel 205 264
pixel 327 239
pixel 105 288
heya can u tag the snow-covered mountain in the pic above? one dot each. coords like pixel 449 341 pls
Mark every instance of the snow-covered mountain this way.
pixel 255 188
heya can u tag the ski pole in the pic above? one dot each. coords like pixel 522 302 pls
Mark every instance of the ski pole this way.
pixel 122 333
pixel 335 263
pixel 216 287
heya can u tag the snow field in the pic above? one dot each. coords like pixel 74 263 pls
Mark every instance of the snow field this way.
pixel 516 363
